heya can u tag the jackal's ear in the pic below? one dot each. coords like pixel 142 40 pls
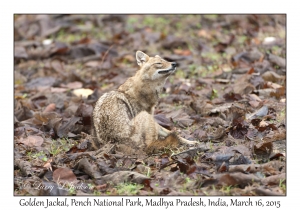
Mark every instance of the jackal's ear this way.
pixel 141 57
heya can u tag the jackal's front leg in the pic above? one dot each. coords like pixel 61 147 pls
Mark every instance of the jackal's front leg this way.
pixel 165 132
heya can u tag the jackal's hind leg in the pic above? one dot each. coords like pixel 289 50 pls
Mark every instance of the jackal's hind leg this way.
pixel 145 129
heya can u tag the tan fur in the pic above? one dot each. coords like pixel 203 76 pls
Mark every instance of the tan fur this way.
pixel 125 116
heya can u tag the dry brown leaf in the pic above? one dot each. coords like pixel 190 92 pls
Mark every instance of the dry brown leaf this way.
pixel 182 52
pixel 20 52
pixel 273 85
pixel 180 118
pixel 48 166
pixel 58 90
pixel 263 123
pixel 277 60
pixel 125 176
pixel 242 85
pixel 254 104
pixel 237 178
pixel 64 175
pixel 50 108
pixel 272 76
pixel 58 66
pixel 254 97
pixel 204 33
pixel 101 187
pixel 32 141
pixel 274 180
pixel 73 85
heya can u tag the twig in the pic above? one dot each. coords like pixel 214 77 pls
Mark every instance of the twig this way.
pixel 104 56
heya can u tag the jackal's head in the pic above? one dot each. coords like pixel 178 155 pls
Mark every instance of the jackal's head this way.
pixel 154 68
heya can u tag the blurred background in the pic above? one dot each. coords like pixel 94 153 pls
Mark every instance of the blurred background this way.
pixel 203 45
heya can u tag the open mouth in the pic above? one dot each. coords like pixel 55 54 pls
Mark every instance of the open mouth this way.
pixel 166 71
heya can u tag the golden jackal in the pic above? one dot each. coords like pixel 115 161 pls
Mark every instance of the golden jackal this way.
pixel 125 116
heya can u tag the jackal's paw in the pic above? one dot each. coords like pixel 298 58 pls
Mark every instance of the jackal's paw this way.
pixel 188 142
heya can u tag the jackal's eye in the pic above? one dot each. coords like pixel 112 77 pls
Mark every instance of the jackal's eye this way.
pixel 158 65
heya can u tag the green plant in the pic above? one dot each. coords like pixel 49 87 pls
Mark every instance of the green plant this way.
pixel 72 191
pixel 128 188
pixel 148 172
pixel 242 39
pixel 211 145
pixel 211 56
pixel 185 184
pixel 180 73
pixel 187 179
pixel 96 192
pixel 226 189
pixel 281 185
pixel 282 115
pixel 178 106
pixel 211 16
pixel 205 193
pixel 156 23
pixel 214 94
pixel 60 145
pixel 163 95
pixel 194 70
pixel 38 155
pixel 171 80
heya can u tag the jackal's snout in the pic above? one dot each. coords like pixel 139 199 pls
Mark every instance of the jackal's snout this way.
pixel 168 70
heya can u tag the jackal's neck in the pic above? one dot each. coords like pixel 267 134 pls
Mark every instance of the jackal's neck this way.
pixel 142 94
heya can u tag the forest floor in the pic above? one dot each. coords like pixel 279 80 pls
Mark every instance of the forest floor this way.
pixel 228 92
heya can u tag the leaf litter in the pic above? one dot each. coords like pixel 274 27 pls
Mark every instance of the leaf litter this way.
pixel 228 93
